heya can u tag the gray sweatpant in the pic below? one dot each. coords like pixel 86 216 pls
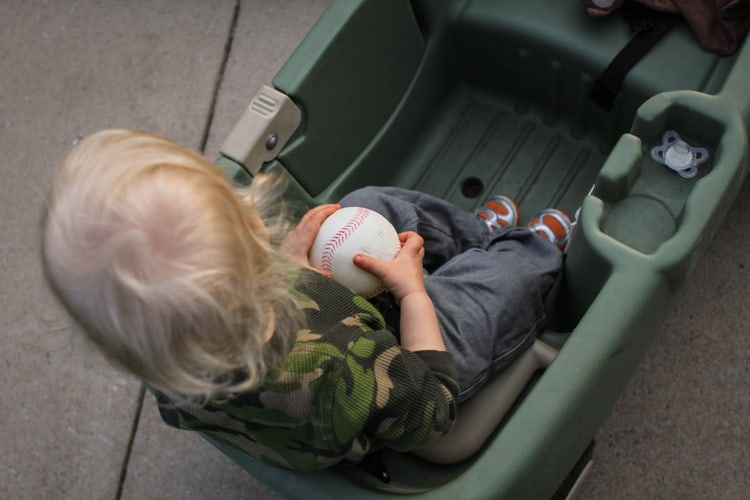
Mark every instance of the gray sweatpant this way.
pixel 487 287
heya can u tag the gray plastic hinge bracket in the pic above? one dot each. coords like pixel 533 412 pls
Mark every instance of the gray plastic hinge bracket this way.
pixel 263 129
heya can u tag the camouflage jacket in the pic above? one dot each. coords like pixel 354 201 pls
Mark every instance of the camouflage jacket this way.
pixel 346 389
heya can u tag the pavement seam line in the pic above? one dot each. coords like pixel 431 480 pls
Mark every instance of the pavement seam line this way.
pixel 220 77
pixel 131 441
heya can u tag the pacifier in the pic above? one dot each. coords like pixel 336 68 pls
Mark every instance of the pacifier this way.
pixel 679 155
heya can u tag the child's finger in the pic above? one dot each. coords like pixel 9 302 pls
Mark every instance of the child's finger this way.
pixel 297 243
pixel 368 263
pixel 411 241
pixel 312 220
pixel 318 214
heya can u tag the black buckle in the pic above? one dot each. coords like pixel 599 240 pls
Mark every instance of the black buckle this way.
pixel 375 466
pixel 638 17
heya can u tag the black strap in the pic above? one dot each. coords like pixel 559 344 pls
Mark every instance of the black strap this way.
pixel 649 26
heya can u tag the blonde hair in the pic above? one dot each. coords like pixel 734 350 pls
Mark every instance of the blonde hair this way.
pixel 164 265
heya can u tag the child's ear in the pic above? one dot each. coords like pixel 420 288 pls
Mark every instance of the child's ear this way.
pixel 270 328
pixel 256 224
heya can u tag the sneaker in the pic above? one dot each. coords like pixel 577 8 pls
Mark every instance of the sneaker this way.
pixel 554 225
pixel 499 211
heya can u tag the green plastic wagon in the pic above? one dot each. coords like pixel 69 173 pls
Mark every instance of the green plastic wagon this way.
pixel 467 98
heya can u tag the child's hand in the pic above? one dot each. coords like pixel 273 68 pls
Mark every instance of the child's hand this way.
pixel 296 245
pixel 402 276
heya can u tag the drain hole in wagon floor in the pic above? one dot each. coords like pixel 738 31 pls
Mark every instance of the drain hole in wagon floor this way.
pixel 472 187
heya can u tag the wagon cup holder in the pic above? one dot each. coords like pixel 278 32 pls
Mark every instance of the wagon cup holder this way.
pixel 644 198
pixel 645 212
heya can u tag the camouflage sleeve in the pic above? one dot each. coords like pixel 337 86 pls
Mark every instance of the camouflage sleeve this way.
pixel 409 397
pixel 442 366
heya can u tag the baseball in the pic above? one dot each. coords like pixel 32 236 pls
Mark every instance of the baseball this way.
pixel 347 232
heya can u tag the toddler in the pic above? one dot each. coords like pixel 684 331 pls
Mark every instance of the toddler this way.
pixel 202 291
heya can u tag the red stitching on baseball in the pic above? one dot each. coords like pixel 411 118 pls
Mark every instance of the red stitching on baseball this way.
pixel 333 244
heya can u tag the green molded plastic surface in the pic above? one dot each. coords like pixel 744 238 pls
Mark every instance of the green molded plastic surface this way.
pixel 470 98
pixel 348 76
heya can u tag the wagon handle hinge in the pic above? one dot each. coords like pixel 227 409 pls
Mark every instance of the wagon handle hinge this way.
pixel 263 129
